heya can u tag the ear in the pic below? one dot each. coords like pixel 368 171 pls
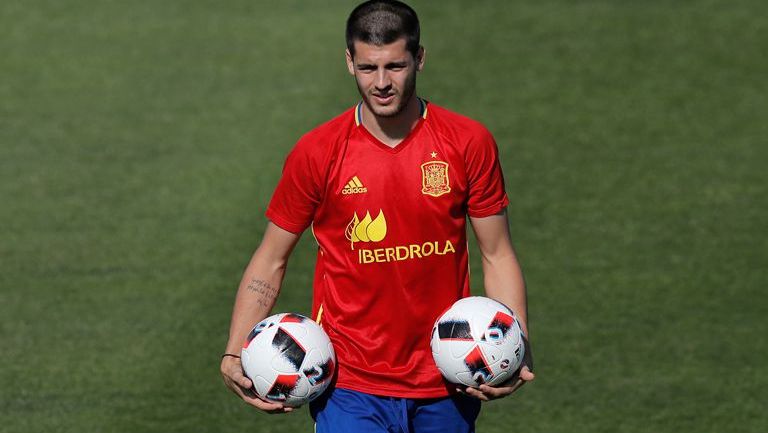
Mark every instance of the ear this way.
pixel 420 55
pixel 350 62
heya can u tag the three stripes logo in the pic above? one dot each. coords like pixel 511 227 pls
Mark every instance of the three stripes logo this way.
pixel 354 186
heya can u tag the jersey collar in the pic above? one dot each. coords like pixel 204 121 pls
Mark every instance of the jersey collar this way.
pixel 359 111
pixel 424 106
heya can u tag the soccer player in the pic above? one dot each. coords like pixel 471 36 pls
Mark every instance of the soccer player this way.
pixel 387 187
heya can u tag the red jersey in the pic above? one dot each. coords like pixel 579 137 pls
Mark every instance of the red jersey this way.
pixel 391 228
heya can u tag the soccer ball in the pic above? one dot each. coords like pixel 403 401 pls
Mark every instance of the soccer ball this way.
pixel 476 341
pixel 289 359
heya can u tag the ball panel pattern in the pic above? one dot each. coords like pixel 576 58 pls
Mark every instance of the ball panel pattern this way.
pixel 476 341
pixel 289 358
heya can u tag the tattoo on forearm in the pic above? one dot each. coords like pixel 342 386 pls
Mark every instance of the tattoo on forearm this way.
pixel 267 292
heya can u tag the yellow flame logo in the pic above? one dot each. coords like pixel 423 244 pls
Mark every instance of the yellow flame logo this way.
pixel 366 230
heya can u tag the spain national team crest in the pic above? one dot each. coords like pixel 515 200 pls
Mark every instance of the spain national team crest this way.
pixel 434 178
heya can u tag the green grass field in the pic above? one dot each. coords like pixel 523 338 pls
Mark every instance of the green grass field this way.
pixel 140 142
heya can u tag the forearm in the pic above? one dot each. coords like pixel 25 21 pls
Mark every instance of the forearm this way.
pixel 504 282
pixel 255 298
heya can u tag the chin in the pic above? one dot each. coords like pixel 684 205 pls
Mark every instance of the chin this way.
pixel 387 112
pixel 390 110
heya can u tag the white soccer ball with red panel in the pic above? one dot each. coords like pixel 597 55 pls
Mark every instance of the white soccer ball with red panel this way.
pixel 289 359
pixel 477 340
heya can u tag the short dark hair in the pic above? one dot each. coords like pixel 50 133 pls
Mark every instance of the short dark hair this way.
pixel 381 22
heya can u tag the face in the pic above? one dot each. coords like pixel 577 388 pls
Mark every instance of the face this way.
pixel 385 75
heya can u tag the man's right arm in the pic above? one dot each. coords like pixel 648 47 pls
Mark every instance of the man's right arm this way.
pixel 255 298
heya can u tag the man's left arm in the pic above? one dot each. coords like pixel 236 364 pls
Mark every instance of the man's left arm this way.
pixel 503 282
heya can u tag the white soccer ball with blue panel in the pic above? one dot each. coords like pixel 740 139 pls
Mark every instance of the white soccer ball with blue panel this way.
pixel 477 340
pixel 289 359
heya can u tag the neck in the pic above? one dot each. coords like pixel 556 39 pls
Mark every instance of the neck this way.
pixel 392 130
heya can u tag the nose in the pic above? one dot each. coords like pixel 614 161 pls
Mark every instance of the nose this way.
pixel 382 82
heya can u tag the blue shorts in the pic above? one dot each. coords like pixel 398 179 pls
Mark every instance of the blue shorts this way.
pixel 344 411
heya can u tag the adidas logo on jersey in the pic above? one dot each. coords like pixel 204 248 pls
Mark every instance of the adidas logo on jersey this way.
pixel 354 186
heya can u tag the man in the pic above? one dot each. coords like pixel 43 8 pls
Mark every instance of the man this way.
pixel 387 187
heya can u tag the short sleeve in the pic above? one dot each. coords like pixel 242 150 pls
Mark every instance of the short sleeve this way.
pixel 487 195
pixel 298 192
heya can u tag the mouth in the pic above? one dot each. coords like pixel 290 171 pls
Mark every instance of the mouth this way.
pixel 383 99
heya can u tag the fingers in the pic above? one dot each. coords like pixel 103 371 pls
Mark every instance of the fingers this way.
pixel 526 374
pixel 517 385
pixel 250 397
pixel 494 392
pixel 239 378
pixel 266 406
pixel 486 393
pixel 243 388
pixel 473 392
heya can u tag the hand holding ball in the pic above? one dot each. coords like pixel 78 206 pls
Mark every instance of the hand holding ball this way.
pixel 289 359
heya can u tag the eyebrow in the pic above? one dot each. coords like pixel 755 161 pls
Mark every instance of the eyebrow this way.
pixel 400 64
